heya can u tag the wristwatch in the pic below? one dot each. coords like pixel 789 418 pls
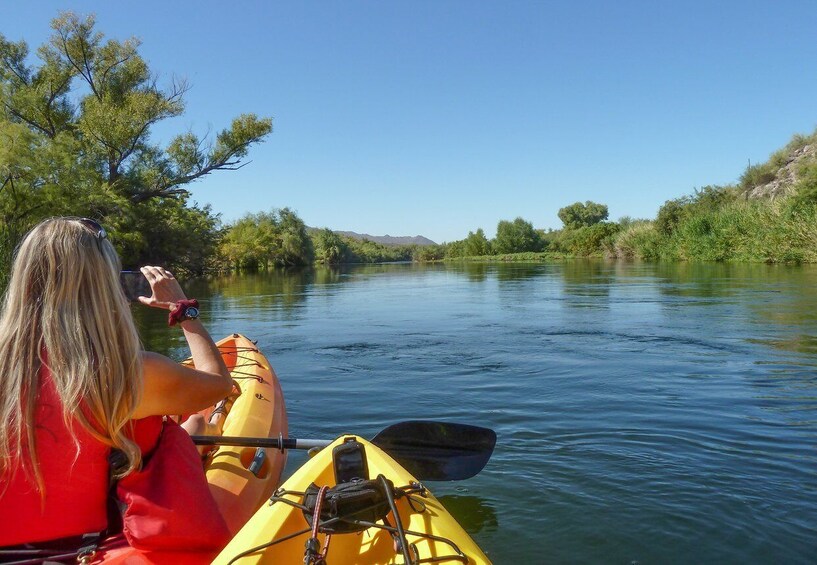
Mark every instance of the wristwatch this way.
pixel 190 313
pixel 183 310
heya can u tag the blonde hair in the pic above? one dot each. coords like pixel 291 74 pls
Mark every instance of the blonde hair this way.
pixel 64 299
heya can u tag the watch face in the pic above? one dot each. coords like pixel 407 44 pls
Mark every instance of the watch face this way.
pixel 192 312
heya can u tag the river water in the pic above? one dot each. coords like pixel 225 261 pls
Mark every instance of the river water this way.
pixel 645 413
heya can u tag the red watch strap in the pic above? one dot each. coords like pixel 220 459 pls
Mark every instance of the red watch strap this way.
pixel 178 313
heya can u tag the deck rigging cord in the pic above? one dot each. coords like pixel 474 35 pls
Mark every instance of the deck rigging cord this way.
pixel 247 361
pixel 313 554
pixel 398 532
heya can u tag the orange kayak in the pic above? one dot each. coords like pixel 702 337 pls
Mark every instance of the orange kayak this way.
pixel 241 479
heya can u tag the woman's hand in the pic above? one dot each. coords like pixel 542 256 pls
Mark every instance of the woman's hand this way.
pixel 165 288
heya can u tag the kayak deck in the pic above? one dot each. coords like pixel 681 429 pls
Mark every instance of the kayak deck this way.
pixel 258 412
pixel 279 530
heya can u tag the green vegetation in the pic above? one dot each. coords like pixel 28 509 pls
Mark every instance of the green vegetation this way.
pixel 754 231
pixel 264 240
pixel 585 234
pixel 721 223
pixel 281 239
pixel 580 215
pixel 366 251
pixel 714 223
pixel 517 236
pixel 75 140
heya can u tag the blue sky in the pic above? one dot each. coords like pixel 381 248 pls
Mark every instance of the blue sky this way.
pixel 437 118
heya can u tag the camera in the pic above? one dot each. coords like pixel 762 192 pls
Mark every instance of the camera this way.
pixel 134 284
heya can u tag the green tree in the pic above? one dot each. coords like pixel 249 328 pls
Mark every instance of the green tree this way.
pixel 670 215
pixel 579 215
pixel 75 140
pixel 515 237
pixel 428 253
pixel 549 239
pixel 293 241
pixel 367 251
pixel 455 249
pixel 330 248
pixel 187 234
pixel 267 239
pixel 476 244
pixel 249 243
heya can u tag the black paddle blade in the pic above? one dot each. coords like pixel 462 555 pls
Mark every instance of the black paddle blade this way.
pixel 438 451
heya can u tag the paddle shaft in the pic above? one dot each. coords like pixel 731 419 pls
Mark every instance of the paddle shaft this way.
pixel 431 451
pixel 271 442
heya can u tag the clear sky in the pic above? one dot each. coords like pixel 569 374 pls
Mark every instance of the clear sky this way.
pixel 436 118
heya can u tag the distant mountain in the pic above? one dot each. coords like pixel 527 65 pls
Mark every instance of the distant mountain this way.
pixel 388 239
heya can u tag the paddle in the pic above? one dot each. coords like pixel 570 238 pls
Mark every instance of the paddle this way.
pixel 431 451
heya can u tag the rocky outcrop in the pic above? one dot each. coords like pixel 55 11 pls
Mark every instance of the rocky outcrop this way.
pixel 786 177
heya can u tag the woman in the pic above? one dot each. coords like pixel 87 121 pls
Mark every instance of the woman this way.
pixel 75 383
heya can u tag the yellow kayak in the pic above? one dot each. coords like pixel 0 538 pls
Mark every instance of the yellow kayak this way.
pixel 241 479
pixel 422 531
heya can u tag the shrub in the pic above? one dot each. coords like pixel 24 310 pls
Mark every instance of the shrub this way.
pixel 670 215
pixel 429 253
pixel 591 240
pixel 640 240
pixel 756 175
pixel 805 191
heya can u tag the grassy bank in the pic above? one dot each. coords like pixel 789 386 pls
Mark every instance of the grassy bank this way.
pixel 754 231
pixel 525 257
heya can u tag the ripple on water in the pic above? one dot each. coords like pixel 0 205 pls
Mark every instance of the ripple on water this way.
pixel 650 413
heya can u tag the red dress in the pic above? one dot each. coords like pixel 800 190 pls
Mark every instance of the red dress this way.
pixel 76 477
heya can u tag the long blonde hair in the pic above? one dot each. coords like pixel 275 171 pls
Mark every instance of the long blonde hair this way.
pixel 64 299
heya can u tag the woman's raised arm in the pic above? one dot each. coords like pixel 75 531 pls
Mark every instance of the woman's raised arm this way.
pixel 170 388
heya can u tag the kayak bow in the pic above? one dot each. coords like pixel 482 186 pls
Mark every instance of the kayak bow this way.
pixel 278 532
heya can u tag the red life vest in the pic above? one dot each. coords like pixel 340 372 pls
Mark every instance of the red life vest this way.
pixel 76 480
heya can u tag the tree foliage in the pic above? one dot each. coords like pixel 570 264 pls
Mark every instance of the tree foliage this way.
pixel 267 239
pixel 669 216
pixel 75 140
pixel 595 239
pixel 579 215
pixel 516 237
pixel 330 248
pixel 476 244
pixel 367 251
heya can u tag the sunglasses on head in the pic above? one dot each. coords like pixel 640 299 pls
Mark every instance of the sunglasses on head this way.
pixel 94 226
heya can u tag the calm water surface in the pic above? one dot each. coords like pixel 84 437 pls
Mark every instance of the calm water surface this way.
pixel 645 413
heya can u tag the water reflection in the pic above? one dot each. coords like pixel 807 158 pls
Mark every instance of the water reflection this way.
pixel 472 512
pixel 271 290
pixel 782 297
pixel 476 272
pixel 515 272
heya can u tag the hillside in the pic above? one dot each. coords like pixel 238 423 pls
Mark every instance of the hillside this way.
pixel 785 168
pixel 769 216
pixel 388 239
